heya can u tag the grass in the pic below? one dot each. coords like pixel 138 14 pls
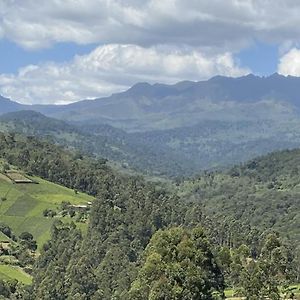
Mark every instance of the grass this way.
pixel 8 272
pixel 23 211
pixel 24 205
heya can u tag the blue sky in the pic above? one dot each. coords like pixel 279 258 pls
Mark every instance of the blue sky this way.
pixel 14 57
pixel 260 58
pixel 63 51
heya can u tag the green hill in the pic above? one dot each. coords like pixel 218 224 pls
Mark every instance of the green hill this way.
pixel 21 208
pixel 24 205
pixel 237 208
pixel 263 193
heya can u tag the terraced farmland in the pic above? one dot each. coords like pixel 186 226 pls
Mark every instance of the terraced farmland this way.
pixel 23 205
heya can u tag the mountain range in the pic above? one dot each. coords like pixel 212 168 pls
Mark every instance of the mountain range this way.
pixel 179 129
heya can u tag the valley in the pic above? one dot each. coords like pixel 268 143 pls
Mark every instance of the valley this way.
pixel 172 130
pixel 90 202
pixel 242 209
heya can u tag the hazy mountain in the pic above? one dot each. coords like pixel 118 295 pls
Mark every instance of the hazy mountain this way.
pixel 6 105
pixel 104 141
pixel 175 129
pixel 147 107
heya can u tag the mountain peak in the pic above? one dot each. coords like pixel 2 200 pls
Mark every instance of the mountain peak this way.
pixel 140 86
pixel 277 75
pixel 8 105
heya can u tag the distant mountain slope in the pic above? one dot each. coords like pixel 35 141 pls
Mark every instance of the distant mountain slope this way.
pixel 104 141
pixel 172 152
pixel 175 129
pixel 147 107
pixel 6 105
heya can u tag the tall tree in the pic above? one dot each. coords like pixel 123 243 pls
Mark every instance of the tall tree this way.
pixel 178 264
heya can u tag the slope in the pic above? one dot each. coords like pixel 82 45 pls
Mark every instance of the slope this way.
pixel 6 105
pixel 263 192
pixel 147 107
pixel 129 151
pixel 24 204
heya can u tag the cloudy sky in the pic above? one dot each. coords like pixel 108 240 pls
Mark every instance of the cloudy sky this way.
pixel 61 51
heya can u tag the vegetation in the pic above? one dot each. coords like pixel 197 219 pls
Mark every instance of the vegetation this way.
pixel 264 193
pixel 146 241
pixel 25 203
pixel 178 264
pixel 175 152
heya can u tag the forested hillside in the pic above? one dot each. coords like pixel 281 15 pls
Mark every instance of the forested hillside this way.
pixel 173 153
pixel 141 234
pixel 172 130
pixel 263 192
pixel 127 150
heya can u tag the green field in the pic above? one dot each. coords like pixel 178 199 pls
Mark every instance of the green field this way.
pixel 23 209
pixel 10 272
pixel 24 205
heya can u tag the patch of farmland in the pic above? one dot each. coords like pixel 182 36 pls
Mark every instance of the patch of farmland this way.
pixel 22 206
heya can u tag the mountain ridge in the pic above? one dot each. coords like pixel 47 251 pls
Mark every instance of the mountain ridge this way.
pixel 142 88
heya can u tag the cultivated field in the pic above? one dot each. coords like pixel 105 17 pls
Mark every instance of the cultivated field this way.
pixel 21 208
pixel 24 204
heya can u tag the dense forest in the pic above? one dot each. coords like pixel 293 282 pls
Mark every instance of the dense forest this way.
pixel 168 153
pixel 149 241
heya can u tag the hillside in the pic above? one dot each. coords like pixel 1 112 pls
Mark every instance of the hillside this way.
pixel 22 209
pixel 130 213
pixel 263 192
pixel 238 210
pixel 6 105
pixel 175 152
pixel 146 107
pixel 24 205
pixel 129 151
pixel 173 130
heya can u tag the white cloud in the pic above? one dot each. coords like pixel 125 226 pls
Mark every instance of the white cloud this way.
pixel 111 68
pixel 289 63
pixel 228 24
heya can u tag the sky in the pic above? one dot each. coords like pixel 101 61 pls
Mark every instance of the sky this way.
pixel 62 51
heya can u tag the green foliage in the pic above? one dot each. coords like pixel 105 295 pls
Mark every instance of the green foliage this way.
pixel 244 193
pixel 174 151
pixel 178 265
pixel 105 263
pixel 263 276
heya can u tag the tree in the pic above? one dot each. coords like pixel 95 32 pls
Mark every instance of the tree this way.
pixel 262 278
pixel 28 241
pixel 5 229
pixel 178 264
